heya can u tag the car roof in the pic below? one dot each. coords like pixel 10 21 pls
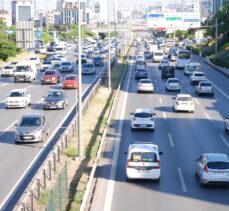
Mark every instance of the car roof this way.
pixel 205 81
pixel 173 79
pixel 143 110
pixel 184 95
pixel 217 157
pixel 143 146
pixel 18 90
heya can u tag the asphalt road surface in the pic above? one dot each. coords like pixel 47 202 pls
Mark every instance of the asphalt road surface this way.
pixel 182 137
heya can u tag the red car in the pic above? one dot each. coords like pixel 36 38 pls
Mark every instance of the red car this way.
pixel 70 82
pixel 50 77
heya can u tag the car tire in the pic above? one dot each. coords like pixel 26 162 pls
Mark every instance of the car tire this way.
pixel 201 183
pixel 128 179
pixel 157 180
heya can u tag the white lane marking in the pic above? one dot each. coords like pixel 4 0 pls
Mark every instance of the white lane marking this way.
pixel 223 93
pixel 3 84
pixel 11 125
pixel 224 140
pixel 160 100
pixel 183 185
pixel 171 140
pixel 207 116
pixel 197 102
pixel 164 115
pixel 111 182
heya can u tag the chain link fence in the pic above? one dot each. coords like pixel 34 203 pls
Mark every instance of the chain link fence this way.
pixel 59 193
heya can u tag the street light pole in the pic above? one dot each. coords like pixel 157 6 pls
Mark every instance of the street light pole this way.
pixel 216 35
pixel 109 46
pixel 80 139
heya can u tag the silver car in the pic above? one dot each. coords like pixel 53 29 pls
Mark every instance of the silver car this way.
pixel 88 68
pixel 205 87
pixel 145 85
pixel 212 168
pixel 66 67
pixel 31 128
pixel 173 84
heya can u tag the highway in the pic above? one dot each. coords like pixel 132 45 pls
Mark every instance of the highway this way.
pixel 182 137
pixel 17 159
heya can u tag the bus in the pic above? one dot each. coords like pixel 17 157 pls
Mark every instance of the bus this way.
pixel 183 58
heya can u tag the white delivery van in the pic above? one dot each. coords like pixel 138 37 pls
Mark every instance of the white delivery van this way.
pixel 26 71
pixel 158 55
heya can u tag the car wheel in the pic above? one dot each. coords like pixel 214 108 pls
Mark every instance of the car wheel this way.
pixel 157 180
pixel 201 182
pixel 127 179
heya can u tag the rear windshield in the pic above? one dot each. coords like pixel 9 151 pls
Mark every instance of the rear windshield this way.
pixel 206 84
pixel 184 99
pixel 168 69
pixel 49 73
pixel 88 65
pixel 158 54
pixel 8 67
pixel 141 70
pixel 199 74
pixel 143 157
pixel 131 57
pixel 145 82
pixel 66 63
pixel 218 165
pixel 174 81
pixel 70 77
pixel 143 115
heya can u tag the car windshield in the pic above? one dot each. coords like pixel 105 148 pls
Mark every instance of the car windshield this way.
pixel 143 157
pixel 199 74
pixel 47 62
pixel 158 54
pixel 173 81
pixel 191 69
pixel 66 63
pixel 70 77
pixel 218 165
pixel 164 61
pixel 206 84
pixel 141 70
pixel 145 82
pixel 33 58
pixel 131 57
pixel 49 73
pixel 143 115
pixel 22 69
pixel 16 94
pixel 140 63
pixel 184 99
pixel 56 59
pixel 55 94
pixel 168 69
pixel 8 67
pixel 88 66
pixel 30 122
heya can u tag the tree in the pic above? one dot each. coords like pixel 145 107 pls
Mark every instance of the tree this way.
pixel 7 49
pixel 46 37
pixel 181 34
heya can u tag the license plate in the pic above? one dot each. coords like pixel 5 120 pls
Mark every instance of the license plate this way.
pixel 27 138
pixel 142 125
pixel 69 85
pixel 143 171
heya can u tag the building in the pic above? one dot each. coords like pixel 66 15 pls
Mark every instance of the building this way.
pixel 60 5
pixel 70 12
pixel 22 10
pixel 54 18
pixel 2 4
pixel 6 16
pixel 206 9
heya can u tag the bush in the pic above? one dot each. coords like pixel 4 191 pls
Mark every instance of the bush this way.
pixel 7 49
pixel 221 59
pixel 194 49
pixel 208 50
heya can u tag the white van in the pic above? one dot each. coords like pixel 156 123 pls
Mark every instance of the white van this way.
pixel 26 71
pixel 158 55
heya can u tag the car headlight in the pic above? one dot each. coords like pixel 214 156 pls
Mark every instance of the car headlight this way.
pixel 38 133
pixel 60 102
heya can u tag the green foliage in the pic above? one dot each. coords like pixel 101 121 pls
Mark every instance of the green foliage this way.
pixel 181 34
pixel 221 59
pixel 7 49
pixel 46 37
pixel 194 49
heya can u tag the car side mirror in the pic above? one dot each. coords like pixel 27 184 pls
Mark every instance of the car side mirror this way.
pixel 160 153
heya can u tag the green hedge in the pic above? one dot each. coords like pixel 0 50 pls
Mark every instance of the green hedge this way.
pixel 221 59
pixel 208 51
pixel 194 49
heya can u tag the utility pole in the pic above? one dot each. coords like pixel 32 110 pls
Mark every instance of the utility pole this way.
pixel 80 139
pixel 115 17
pixel 216 35
pixel 109 46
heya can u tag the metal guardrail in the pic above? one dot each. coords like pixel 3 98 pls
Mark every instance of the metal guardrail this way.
pixel 42 169
pixel 222 70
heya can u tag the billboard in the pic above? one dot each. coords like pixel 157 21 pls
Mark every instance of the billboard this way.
pixel 173 20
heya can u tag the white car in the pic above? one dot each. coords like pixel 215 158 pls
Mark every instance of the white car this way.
pixel 143 161
pixel 131 60
pixel 140 58
pixel 196 77
pixel 36 60
pixel 163 63
pixel 226 122
pixel 190 68
pixel 145 85
pixel 18 98
pixel 212 168
pixel 143 118
pixel 183 102
pixel 173 84
pixel 8 70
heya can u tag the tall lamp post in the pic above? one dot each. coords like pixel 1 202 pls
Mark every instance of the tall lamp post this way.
pixel 216 35
pixel 109 45
pixel 80 139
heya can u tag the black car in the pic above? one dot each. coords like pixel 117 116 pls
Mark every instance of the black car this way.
pixel 148 55
pixel 98 61
pixel 168 71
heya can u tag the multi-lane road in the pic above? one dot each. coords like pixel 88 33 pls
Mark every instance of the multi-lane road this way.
pixel 17 159
pixel 182 137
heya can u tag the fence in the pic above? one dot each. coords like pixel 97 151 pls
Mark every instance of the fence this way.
pixel 59 194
